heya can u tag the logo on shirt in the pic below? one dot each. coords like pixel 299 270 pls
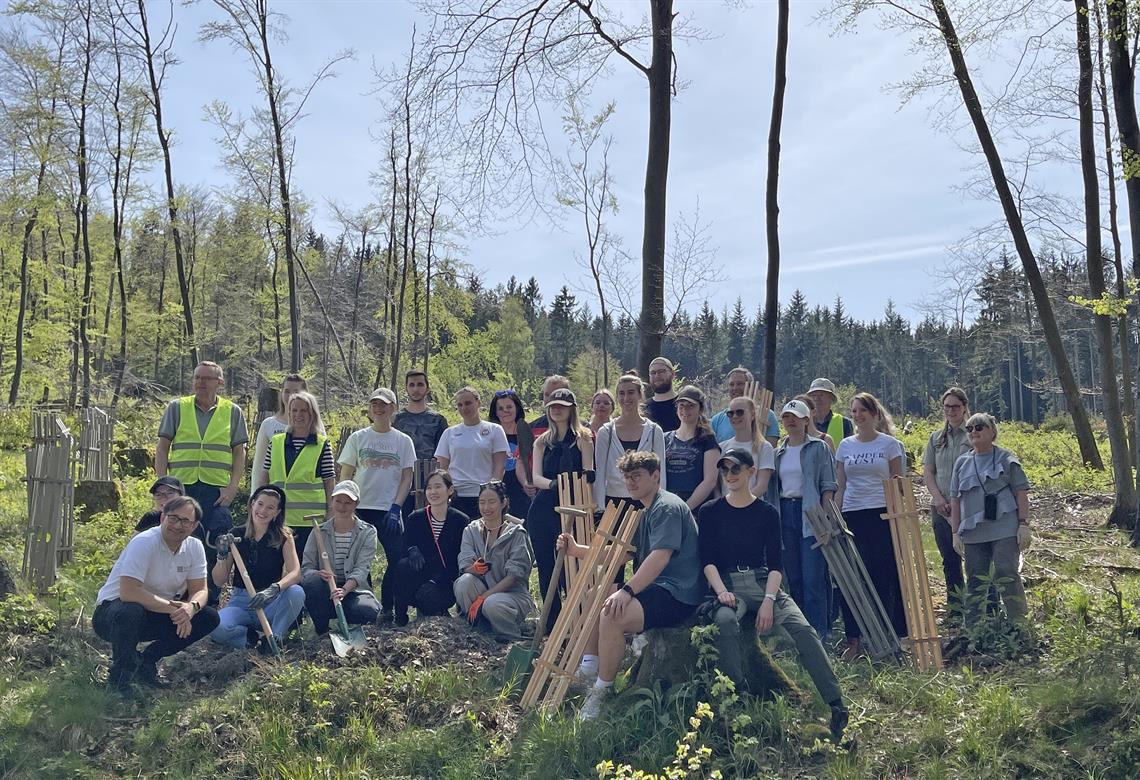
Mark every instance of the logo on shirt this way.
pixel 377 459
pixel 485 430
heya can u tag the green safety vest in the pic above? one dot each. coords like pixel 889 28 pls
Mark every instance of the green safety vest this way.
pixel 835 428
pixel 195 458
pixel 304 492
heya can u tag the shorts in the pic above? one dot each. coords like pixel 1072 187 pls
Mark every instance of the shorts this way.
pixel 661 609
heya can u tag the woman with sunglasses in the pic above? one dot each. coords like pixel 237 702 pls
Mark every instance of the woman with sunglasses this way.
pixel 495 558
pixel 602 407
pixel 742 415
pixel 691 451
pixel 945 446
pixel 426 573
pixel 566 447
pixel 507 410
pixel 473 452
pixel 628 432
pixel 862 462
pixel 989 514
pixel 266 547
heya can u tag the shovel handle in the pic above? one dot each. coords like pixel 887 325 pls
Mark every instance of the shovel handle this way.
pixel 240 564
pixel 551 589
pixel 326 564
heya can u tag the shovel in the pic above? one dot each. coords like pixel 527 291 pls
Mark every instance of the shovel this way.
pixel 521 657
pixel 265 627
pixel 348 639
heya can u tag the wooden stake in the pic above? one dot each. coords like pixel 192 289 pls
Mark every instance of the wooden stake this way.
pixel 910 559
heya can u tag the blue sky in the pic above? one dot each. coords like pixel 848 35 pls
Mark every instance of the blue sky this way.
pixel 870 194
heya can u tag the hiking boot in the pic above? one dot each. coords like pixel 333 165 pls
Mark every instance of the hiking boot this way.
pixel 386 616
pixel 402 618
pixel 119 679
pixel 147 674
pixel 592 706
pixel 839 718
pixel 251 638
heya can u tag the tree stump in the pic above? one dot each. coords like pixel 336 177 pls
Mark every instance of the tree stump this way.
pixel 92 498
pixel 670 658
pixel 133 461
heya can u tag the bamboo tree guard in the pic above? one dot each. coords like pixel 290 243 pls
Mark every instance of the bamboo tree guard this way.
pixel 576 509
pixel 838 545
pixel 762 397
pixel 51 467
pixel 96 434
pixel 567 642
pixel 906 536
pixel 421 470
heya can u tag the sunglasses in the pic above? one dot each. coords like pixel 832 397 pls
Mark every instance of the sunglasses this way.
pixel 981 427
pixel 495 484
pixel 734 412
pixel 504 393
pixel 734 469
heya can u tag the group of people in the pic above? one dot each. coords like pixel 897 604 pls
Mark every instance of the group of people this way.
pixel 723 533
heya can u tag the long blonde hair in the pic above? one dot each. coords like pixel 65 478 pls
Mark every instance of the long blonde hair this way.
pixel 573 423
pixel 757 438
pixel 310 400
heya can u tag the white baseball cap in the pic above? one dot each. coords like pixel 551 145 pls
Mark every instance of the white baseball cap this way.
pixel 347 487
pixel 798 408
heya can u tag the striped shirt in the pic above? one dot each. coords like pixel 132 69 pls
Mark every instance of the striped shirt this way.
pixel 436 523
pixel 326 468
pixel 341 543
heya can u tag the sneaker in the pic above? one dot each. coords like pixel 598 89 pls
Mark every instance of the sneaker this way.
pixel 592 706
pixel 638 645
pixel 839 718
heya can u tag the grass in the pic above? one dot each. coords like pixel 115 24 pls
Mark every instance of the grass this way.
pixel 1069 709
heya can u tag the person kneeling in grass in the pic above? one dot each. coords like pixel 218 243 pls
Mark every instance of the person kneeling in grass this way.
pixel 351 546
pixel 742 559
pixel 270 557
pixel 666 585
pixel 156 592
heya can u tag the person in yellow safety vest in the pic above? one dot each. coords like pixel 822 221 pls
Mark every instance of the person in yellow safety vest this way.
pixel 201 441
pixel 300 461
pixel 822 394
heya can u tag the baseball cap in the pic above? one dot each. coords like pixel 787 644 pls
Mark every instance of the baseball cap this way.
pixel 563 396
pixel 383 394
pixel 174 483
pixel 348 488
pixel 737 455
pixel 826 385
pixel 691 393
pixel 798 408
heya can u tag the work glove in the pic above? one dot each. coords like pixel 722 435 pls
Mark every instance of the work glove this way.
pixel 224 542
pixel 474 609
pixel 416 558
pixel 480 567
pixel 262 598
pixel 959 546
pixel 392 521
pixel 1024 537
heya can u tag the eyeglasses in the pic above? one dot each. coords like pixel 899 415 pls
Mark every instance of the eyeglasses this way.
pixel 734 469
pixel 734 412
pixel 980 427
pixel 179 520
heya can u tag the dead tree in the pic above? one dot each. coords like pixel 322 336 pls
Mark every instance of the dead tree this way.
pixel 772 203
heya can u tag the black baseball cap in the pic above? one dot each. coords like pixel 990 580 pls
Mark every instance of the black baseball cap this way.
pixel 737 455
pixel 174 483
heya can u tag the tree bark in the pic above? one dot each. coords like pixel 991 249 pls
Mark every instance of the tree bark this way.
pixel 651 324
pixel 1085 439
pixel 772 205
pixel 84 212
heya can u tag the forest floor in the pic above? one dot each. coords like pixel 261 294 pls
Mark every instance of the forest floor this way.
pixel 427 701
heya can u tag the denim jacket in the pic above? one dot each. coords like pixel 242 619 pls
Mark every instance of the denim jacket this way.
pixel 818 465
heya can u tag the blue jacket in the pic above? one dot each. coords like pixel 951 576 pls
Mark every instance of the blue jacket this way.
pixel 818 466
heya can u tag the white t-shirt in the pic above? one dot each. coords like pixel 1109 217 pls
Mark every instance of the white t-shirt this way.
pixel 469 450
pixel 865 465
pixel 379 460
pixel 270 427
pixel 791 473
pixel 162 572
pixel 764 455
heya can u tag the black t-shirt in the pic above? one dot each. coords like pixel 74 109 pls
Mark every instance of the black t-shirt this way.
pixel 685 461
pixel 425 429
pixel 264 563
pixel 664 413
pixel 149 520
pixel 746 536
pixel 562 457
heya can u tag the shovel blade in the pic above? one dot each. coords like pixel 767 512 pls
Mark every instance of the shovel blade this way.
pixel 343 644
pixel 518 664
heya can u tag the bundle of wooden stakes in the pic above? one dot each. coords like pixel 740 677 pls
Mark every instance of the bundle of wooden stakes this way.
pixel 576 508
pixel 838 545
pixel 906 535
pixel 554 670
pixel 762 397
pixel 421 470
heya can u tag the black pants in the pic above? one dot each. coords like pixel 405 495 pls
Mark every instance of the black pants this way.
pixel 393 544
pixel 951 560
pixel 519 504
pixel 873 542
pixel 216 520
pixel 468 505
pixel 359 606
pixel 429 592
pixel 544 524
pixel 126 624
pixel 301 538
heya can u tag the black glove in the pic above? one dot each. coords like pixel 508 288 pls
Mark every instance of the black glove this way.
pixel 224 542
pixel 262 598
pixel 591 475
pixel 416 558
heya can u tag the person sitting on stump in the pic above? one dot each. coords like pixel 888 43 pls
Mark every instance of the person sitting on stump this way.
pixel 425 575
pixel 351 546
pixel 266 548
pixel 666 585
pixel 742 559
pixel 163 489
pixel 156 592
pixel 496 559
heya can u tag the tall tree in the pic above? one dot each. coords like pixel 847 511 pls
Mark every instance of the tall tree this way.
pixel 772 204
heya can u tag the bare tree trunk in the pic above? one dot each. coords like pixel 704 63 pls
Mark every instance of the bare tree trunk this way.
pixel 84 186
pixel 389 267
pixel 171 202
pixel 356 305
pixel 158 308
pixel 772 205
pixel 1085 439
pixel 397 345
pixel 427 281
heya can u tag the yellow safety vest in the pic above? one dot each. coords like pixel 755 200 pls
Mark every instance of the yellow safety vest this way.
pixel 304 491
pixel 195 458
pixel 835 428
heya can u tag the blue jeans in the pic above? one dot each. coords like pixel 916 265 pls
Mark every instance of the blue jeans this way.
pixel 236 616
pixel 805 569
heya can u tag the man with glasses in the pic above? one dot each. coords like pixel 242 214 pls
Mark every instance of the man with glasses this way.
pixel 661 408
pixel 738 378
pixel 666 585
pixel 156 593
